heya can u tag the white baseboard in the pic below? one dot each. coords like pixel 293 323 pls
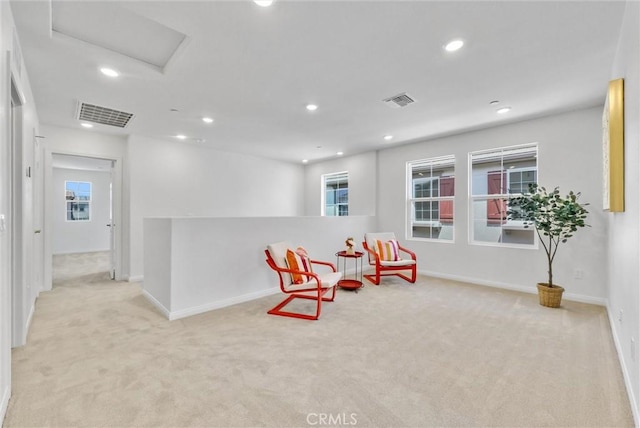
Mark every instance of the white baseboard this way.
pixel 66 253
pixel 29 318
pixel 222 303
pixel 625 371
pixel 135 278
pixel 183 313
pixel 508 286
pixel 157 304
pixel 4 404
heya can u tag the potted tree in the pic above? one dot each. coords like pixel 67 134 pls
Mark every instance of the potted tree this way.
pixel 555 219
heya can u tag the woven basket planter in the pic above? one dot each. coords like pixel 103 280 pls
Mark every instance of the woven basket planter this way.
pixel 550 297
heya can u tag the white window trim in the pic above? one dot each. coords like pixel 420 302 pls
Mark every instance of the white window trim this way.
pixel 89 201
pixel 323 190
pixel 410 212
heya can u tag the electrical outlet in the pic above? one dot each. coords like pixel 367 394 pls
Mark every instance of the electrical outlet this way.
pixel 578 274
pixel 620 316
pixel 633 349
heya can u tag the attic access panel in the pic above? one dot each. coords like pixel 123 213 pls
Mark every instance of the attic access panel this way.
pixel 111 26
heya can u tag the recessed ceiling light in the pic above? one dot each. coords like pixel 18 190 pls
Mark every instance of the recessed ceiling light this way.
pixel 305 160
pixel 109 72
pixel 503 110
pixel 453 45
pixel 263 3
pixel 388 137
pixel 340 153
pixel 181 137
pixel 207 120
pixel 87 125
pixel 312 107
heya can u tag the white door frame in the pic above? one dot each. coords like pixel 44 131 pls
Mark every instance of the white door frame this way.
pixel 48 211
pixel 16 218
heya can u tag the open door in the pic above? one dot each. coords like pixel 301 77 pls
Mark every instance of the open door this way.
pixel 111 225
pixel 37 266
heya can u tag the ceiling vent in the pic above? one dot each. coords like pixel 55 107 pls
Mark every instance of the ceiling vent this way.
pixel 400 100
pixel 103 115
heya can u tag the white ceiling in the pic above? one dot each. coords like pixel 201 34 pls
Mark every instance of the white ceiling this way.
pixel 254 69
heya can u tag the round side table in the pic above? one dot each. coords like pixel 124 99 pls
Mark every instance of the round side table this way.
pixel 355 282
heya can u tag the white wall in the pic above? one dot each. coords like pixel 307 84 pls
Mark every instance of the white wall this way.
pixel 80 142
pixel 169 178
pixel 569 157
pixel 569 153
pixel 24 291
pixel 624 228
pixel 81 236
pixel 362 183
pixel 5 189
pixel 183 256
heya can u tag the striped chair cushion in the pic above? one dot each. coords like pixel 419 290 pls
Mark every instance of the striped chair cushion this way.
pixel 388 250
pixel 296 261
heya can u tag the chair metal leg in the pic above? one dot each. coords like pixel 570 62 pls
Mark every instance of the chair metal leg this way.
pixel 277 310
pixel 375 279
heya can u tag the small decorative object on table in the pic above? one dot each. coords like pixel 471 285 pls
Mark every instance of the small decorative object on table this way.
pixel 350 244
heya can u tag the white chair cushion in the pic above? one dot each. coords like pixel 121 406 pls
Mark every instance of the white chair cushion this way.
pixel 278 253
pixel 398 263
pixel 327 280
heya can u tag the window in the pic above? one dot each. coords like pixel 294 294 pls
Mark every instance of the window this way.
pixel 336 194
pixel 431 186
pixel 495 175
pixel 78 200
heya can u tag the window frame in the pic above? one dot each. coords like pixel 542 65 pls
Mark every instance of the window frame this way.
pixel 426 199
pixel 88 202
pixel 411 199
pixel 508 225
pixel 326 178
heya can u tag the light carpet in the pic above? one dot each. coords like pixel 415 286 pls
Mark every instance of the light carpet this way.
pixel 435 353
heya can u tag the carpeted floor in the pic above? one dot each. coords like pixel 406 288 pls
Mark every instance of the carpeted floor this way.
pixel 436 353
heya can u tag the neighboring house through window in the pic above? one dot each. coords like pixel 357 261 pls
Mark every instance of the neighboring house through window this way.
pixel 335 188
pixel 78 200
pixel 431 191
pixel 495 175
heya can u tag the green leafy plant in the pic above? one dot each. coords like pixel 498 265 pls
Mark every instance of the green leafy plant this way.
pixel 554 217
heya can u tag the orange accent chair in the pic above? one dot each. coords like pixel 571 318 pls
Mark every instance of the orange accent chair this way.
pixel 388 267
pixel 313 287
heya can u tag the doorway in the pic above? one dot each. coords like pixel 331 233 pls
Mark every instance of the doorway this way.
pixel 82 195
